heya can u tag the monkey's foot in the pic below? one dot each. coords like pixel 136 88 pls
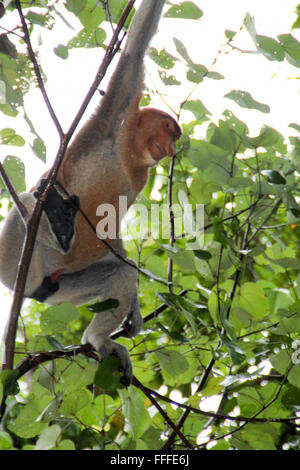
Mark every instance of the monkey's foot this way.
pixel 48 287
pixel 115 349
pixel 61 214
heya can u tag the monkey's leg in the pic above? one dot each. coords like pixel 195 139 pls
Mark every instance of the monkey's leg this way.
pixel 110 278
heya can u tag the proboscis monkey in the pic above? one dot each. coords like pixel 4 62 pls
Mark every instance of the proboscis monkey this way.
pixel 109 157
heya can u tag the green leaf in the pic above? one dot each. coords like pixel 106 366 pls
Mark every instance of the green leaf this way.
pixel 181 49
pixel 274 177
pixel 75 401
pixel 295 126
pixel 229 34
pixel 168 80
pixel 76 374
pixel 281 361
pixel 108 376
pixel 287 263
pixel 8 378
pixel 225 322
pixel 135 411
pixel 173 335
pixel 267 137
pixel 61 51
pixel 291 399
pixel 6 442
pixel 245 100
pixel 108 304
pixel 75 6
pixel 219 232
pixel 186 10
pixel 252 299
pixel 223 136
pixel 39 148
pixel 198 109
pixel 270 48
pixel 87 39
pixel 291 47
pixel 250 26
pixel 55 319
pixel 66 444
pixel 15 170
pixel 294 376
pixel 215 76
pixel 183 258
pixel 172 362
pixel 290 203
pixel 39 19
pixel 196 73
pixel 91 16
pixel 162 58
pixel 236 354
pixel 47 439
pixel 203 254
pixel 181 305
pixel 9 137
pixel 261 437
pixel 203 154
pixel 27 424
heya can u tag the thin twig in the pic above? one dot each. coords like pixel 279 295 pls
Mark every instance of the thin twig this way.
pixel 37 70
pixel 149 395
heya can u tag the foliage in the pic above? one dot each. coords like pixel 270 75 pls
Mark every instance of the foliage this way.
pixel 229 324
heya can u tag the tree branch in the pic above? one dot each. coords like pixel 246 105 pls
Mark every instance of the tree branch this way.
pixel 33 222
pixel 37 70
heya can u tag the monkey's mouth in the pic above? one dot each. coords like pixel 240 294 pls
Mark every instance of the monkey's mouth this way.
pixel 162 152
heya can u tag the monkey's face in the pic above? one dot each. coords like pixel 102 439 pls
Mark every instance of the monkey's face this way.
pixel 155 136
pixel 162 142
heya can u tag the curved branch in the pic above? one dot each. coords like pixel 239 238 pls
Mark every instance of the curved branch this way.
pixel 37 70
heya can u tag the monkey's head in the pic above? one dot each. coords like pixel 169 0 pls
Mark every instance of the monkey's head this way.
pixel 156 136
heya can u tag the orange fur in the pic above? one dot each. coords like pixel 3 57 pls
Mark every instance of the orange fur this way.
pixel 147 136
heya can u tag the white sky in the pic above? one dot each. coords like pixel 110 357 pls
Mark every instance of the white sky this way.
pixel 273 83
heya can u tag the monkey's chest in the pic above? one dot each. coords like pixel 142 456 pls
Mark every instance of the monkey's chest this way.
pixel 99 218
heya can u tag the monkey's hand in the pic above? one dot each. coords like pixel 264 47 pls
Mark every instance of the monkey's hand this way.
pixel 61 214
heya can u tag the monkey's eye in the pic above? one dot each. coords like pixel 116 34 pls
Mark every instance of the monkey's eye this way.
pixel 167 125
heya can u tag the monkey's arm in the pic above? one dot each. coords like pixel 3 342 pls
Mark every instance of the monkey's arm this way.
pixel 50 245
pixel 125 87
